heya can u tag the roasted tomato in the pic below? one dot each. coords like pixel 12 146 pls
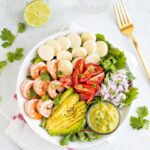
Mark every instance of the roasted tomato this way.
pixel 85 89
pixel 96 79
pixel 91 70
pixel 80 65
pixel 75 77
pixel 86 97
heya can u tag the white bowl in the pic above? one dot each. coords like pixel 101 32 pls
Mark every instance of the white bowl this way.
pixel 34 124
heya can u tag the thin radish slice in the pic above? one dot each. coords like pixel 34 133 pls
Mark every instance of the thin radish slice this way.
pixel 79 52
pixel 46 52
pixel 64 55
pixel 102 48
pixel 64 43
pixel 74 39
pixel 66 68
pixel 90 46
pixel 88 36
pixel 55 45
pixel 93 58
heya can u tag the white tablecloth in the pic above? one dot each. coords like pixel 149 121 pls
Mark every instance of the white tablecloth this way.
pixel 63 13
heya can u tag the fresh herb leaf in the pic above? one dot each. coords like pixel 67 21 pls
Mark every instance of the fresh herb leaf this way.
pixel 43 122
pixel 82 137
pixel 108 64
pixel 131 95
pixel 36 60
pixel 21 27
pixel 130 76
pixel 80 75
pixel 6 44
pixel 45 97
pixel 32 93
pixel 100 37
pixel 57 99
pixel 11 57
pixel 93 85
pixel 107 78
pixel 59 74
pixel 136 123
pixel 65 140
pixel 119 56
pixel 45 76
pixel 2 65
pixel 73 137
pixel 19 53
pixel 109 45
pixel 114 60
pixel 146 124
pixel 7 36
pixel 140 121
pixel 97 98
pixel 142 111
pixel 90 68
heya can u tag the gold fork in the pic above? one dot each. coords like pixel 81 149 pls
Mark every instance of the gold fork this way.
pixel 126 27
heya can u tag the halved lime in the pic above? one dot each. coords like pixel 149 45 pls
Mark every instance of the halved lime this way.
pixel 37 13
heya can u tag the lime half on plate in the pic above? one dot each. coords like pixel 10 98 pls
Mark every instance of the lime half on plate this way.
pixel 37 13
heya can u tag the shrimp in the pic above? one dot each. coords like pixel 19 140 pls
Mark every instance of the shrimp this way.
pixel 45 107
pixel 52 68
pixel 53 87
pixel 37 69
pixel 30 108
pixel 66 81
pixel 40 86
pixel 25 88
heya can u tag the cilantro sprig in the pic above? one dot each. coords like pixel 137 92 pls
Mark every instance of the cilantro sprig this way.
pixel 114 60
pixel 21 27
pixel 140 122
pixel 17 55
pixel 32 93
pixel 8 37
pixel 37 59
pixel 11 57
pixel 131 95
pixel 45 76
pixel 3 65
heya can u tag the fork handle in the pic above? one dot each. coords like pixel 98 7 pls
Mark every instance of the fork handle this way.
pixel 146 68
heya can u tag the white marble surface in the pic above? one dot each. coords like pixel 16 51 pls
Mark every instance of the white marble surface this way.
pixel 64 13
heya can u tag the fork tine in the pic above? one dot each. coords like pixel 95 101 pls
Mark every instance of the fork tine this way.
pixel 117 15
pixel 120 13
pixel 124 10
pixel 125 21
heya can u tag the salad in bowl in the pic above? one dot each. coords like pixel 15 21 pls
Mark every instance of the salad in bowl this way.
pixel 75 87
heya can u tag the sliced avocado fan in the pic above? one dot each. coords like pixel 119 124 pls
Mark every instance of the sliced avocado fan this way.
pixel 68 117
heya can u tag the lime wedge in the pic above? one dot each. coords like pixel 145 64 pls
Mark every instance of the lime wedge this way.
pixel 37 13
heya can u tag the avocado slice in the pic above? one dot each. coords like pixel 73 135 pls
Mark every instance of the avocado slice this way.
pixel 69 116
pixel 71 120
pixel 64 96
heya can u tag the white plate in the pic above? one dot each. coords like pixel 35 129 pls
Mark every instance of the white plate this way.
pixel 34 124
